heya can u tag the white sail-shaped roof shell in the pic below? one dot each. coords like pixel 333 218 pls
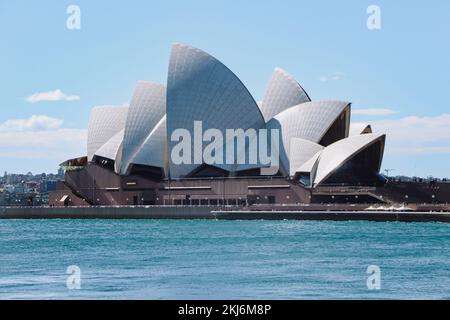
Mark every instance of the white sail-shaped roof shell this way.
pixel 301 151
pixel 201 88
pixel 309 121
pixel 309 166
pixel 110 149
pixel 282 93
pixel 360 128
pixel 147 107
pixel 152 152
pixel 104 123
pixel 336 154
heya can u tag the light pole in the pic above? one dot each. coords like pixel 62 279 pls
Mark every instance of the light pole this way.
pixel 387 172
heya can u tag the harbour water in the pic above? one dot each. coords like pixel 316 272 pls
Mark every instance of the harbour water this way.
pixel 207 259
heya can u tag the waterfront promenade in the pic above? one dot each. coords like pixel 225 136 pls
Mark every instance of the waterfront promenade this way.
pixel 324 212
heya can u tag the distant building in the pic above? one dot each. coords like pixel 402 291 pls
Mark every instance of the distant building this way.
pixel 50 185
pixel 8 188
pixel 60 174
pixel 19 189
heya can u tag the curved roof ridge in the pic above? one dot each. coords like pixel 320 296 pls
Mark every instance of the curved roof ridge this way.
pixel 147 106
pixel 219 61
pixel 104 122
pixel 310 121
pixel 301 151
pixel 340 152
pixel 292 78
pixel 151 152
pixel 283 91
pixel 201 87
pixel 109 149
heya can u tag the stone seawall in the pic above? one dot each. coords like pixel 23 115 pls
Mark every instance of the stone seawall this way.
pixel 212 212
pixel 132 212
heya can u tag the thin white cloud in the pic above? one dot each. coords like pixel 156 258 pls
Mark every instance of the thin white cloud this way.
pixel 34 123
pixel 374 112
pixel 416 135
pixel 424 150
pixel 59 144
pixel 332 77
pixel 56 95
pixel 40 137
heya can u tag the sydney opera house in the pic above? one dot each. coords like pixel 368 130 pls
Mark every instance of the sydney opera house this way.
pixel 322 157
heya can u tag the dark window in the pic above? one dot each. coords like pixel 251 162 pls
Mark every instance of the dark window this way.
pixel 305 179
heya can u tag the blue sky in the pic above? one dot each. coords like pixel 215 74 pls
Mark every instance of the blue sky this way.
pixel 402 71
